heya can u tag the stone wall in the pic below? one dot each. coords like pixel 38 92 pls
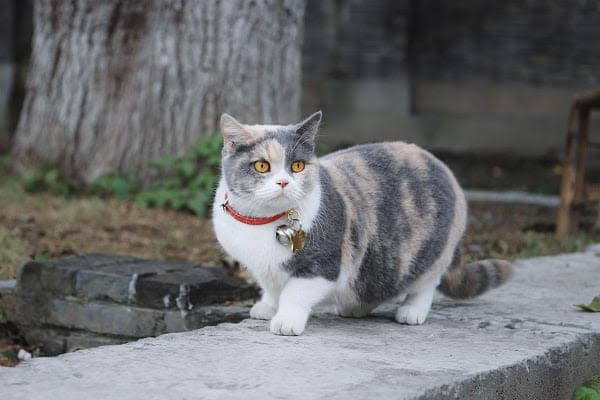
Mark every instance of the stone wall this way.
pixel 472 76
pixel 531 42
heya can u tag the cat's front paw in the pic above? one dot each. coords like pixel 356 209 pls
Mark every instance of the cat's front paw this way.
pixel 262 310
pixel 288 324
pixel 411 314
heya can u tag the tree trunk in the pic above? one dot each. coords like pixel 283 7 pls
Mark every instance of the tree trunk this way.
pixel 114 83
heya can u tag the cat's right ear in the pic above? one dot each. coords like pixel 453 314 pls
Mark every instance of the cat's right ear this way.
pixel 310 126
pixel 234 133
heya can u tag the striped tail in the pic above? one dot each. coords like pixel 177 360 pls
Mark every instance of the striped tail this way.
pixel 463 281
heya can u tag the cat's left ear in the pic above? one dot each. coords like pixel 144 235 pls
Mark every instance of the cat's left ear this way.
pixel 310 126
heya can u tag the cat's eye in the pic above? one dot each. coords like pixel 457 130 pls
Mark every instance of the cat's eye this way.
pixel 262 166
pixel 298 166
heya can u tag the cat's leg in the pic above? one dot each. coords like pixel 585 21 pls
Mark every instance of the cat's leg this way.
pixel 296 301
pixel 355 310
pixel 271 284
pixel 265 308
pixel 416 306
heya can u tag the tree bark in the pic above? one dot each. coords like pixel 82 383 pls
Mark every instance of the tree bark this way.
pixel 114 83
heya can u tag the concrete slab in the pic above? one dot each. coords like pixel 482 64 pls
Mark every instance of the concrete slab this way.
pixel 525 340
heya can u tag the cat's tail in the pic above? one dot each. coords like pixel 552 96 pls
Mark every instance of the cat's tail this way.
pixel 463 281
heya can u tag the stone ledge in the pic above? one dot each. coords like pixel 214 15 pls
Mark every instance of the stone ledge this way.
pixel 525 340
pixel 97 299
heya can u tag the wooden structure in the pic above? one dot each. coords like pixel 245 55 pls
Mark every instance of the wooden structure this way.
pixel 574 187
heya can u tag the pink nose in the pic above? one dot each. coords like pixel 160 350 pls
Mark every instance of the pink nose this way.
pixel 282 183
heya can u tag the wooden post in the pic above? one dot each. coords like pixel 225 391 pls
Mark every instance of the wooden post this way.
pixel 567 190
pixel 573 185
pixel 581 152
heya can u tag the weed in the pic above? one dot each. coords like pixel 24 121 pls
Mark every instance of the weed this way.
pixel 540 244
pixel 190 180
pixel 14 251
pixel 5 161
pixel 47 179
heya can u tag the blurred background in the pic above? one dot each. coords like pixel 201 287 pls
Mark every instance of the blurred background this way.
pixel 109 112
pixel 467 78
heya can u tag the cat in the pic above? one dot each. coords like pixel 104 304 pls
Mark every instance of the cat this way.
pixel 382 222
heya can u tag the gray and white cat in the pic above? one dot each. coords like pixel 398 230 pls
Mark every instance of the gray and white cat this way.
pixel 383 222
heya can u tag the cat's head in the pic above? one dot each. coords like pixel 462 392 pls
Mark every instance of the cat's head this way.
pixel 270 167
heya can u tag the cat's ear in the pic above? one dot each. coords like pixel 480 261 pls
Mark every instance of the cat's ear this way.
pixel 234 133
pixel 310 126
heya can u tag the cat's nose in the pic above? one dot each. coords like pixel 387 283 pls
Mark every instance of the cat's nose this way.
pixel 283 183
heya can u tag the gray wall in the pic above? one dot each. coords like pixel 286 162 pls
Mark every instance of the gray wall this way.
pixel 470 76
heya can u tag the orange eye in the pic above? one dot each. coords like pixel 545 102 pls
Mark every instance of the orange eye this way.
pixel 262 166
pixel 298 166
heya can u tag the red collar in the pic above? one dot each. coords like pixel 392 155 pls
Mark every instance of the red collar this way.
pixel 250 220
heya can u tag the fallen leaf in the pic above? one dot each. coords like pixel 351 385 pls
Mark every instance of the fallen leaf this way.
pixel 590 390
pixel 594 306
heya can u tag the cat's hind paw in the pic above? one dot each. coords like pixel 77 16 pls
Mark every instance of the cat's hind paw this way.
pixel 262 310
pixel 289 324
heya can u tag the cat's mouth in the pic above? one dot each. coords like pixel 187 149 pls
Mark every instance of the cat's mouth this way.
pixel 282 199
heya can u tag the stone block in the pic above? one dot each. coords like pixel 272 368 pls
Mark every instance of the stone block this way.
pixel 200 317
pixel 55 341
pixel 192 287
pixel 96 299
pixel 60 276
pixel 31 312
pixel 130 280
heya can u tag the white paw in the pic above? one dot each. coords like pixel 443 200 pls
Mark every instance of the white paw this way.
pixel 289 323
pixel 262 310
pixel 411 314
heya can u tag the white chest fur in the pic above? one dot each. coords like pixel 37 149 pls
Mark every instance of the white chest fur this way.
pixel 255 246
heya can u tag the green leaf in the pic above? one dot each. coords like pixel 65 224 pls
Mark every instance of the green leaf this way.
pixel 163 162
pixel 33 181
pixel 51 177
pixel 186 168
pixel 590 390
pixel 172 182
pixel 122 188
pixel 5 161
pixel 118 185
pixel 594 306
pixel 198 204
pixel 42 257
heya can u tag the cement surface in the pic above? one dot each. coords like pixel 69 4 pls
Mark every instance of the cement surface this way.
pixel 525 340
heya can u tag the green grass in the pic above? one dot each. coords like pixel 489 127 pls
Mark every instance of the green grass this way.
pixel 13 251
pixel 545 244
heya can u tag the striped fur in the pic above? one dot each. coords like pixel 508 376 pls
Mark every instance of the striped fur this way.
pixel 382 221
pixel 463 281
